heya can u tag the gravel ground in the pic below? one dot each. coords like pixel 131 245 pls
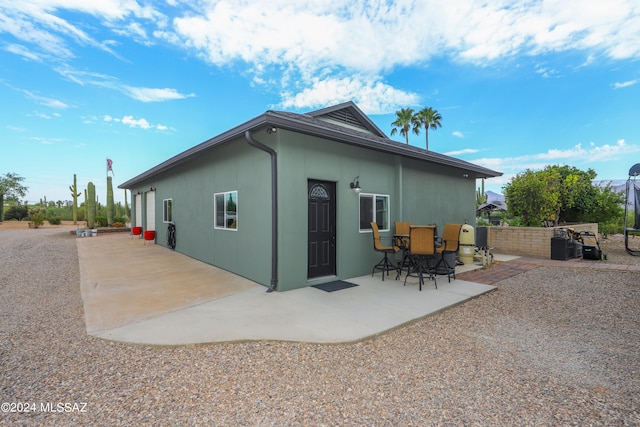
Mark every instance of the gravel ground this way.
pixel 553 346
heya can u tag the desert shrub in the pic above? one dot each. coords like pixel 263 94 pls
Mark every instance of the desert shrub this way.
pixel 118 224
pixel 17 212
pixel 55 220
pixel 121 219
pixel 101 221
pixel 63 212
pixel 36 216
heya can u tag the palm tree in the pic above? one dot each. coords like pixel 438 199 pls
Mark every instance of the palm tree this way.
pixel 427 117
pixel 404 118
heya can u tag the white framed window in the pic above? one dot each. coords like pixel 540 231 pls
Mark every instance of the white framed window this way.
pixel 167 210
pixel 225 206
pixel 374 207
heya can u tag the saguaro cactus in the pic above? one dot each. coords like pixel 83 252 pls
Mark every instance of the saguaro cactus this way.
pixel 110 208
pixel 481 198
pixel 90 205
pixel 75 195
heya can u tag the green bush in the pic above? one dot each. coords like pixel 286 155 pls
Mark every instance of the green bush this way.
pixel 54 220
pixel 121 219
pixel 17 212
pixel 516 221
pixel 482 222
pixel 101 221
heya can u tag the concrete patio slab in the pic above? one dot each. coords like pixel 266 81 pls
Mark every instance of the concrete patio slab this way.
pixel 148 294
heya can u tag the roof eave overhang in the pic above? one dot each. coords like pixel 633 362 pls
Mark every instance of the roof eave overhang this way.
pixel 273 119
pixel 473 171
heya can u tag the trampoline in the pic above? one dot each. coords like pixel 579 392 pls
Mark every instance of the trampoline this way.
pixel 632 209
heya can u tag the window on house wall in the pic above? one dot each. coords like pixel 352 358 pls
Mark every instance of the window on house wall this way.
pixel 226 210
pixel 374 207
pixel 167 210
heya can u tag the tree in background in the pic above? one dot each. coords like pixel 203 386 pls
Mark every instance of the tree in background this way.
pixel 576 193
pixel 427 118
pixel 404 119
pixel 527 195
pixel 11 189
pixel 607 209
pixel 561 193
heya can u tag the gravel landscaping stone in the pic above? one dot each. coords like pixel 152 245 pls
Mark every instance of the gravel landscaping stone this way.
pixel 552 346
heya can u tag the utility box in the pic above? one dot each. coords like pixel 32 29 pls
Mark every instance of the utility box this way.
pixel 560 248
pixel 565 246
pixel 482 237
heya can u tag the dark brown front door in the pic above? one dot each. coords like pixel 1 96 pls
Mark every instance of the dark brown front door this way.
pixel 322 229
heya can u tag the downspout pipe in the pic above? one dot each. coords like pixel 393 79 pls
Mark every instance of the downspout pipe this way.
pixel 274 207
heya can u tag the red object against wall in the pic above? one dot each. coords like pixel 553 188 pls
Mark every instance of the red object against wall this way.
pixel 136 231
pixel 149 235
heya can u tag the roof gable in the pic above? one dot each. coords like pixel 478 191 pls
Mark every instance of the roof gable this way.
pixel 348 115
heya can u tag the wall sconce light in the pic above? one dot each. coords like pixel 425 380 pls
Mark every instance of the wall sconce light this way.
pixel 271 130
pixel 355 185
pixel 465 175
pixel 152 189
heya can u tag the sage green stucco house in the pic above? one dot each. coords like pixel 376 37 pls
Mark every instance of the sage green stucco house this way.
pixel 272 198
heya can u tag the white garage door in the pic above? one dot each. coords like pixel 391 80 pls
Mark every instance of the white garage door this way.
pixel 151 210
pixel 138 218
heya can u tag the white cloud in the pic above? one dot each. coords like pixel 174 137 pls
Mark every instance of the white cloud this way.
pixel 143 94
pixel 46 141
pixel 85 77
pixel 146 94
pixel 24 52
pixel 365 35
pixel 458 134
pixel 618 85
pixel 305 42
pixel 546 72
pixel 373 97
pixel 139 123
pixel 132 122
pixel 48 102
pixel 461 152
pixel 135 31
pixel 574 156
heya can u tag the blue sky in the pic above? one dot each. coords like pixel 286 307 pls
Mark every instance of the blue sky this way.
pixel 519 84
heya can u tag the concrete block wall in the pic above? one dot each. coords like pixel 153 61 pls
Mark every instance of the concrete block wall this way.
pixel 528 241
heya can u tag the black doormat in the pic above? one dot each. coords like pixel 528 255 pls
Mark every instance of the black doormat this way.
pixel 334 286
